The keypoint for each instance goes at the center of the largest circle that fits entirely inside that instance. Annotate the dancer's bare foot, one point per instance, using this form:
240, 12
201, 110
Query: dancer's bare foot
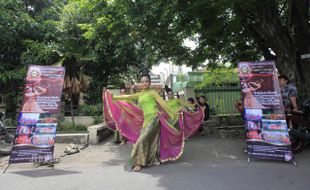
157, 163
123, 143
137, 168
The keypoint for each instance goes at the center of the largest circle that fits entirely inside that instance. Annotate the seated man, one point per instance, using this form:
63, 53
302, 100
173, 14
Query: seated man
205, 107
289, 94
289, 98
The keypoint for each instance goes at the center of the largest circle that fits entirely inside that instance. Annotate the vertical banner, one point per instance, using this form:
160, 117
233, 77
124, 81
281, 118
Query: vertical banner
267, 132
36, 130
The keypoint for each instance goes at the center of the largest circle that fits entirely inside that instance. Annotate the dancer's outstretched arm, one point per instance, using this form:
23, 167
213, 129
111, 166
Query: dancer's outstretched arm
127, 97
163, 104
185, 104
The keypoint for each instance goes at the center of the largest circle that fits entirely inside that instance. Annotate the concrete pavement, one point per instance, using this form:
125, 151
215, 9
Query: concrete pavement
207, 163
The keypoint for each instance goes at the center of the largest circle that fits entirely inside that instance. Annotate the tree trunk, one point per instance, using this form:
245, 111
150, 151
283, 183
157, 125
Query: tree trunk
298, 26
288, 42
72, 111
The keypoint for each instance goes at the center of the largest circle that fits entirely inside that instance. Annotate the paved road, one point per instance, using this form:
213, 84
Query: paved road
207, 163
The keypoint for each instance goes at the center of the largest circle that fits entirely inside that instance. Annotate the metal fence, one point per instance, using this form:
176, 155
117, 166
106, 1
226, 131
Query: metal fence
221, 99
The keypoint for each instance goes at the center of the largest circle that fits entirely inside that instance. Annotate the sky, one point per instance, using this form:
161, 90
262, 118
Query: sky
167, 69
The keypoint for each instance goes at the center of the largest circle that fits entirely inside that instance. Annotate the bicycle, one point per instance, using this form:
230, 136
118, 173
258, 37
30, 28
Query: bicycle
299, 127
6, 140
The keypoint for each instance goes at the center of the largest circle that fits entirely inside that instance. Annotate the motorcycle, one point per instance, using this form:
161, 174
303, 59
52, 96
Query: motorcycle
6, 139
300, 128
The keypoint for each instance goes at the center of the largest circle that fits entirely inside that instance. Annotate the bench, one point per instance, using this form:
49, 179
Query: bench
97, 133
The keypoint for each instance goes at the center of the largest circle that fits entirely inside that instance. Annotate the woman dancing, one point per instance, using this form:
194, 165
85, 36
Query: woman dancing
192, 120
117, 135
249, 100
30, 103
160, 138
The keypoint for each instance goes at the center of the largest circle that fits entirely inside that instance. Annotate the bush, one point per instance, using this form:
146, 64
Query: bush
97, 119
69, 127
90, 110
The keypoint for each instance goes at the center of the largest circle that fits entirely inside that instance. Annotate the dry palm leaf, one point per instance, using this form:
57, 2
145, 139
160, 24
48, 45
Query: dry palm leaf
67, 95
84, 81
76, 86
67, 82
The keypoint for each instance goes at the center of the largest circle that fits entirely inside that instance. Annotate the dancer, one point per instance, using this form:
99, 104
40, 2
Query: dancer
174, 103
177, 104
118, 137
191, 120
206, 109
30, 103
161, 138
249, 100
193, 104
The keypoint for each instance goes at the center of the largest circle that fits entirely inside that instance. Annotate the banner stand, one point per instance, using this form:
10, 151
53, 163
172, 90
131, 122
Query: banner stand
293, 162
40, 163
38, 119
9, 164
265, 121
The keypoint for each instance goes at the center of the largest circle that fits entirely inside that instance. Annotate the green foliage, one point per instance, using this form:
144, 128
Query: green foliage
163, 26
40, 53
90, 110
69, 127
181, 78
219, 77
112, 40
15, 26
97, 119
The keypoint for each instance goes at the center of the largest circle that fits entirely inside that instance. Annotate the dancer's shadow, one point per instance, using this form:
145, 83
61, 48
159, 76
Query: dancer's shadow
121, 154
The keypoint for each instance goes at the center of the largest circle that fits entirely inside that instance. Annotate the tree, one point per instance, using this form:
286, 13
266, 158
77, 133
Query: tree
219, 77
86, 36
227, 31
108, 50
89, 37
283, 27
16, 25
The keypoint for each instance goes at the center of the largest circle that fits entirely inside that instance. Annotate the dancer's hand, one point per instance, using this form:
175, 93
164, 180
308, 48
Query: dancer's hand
109, 92
295, 109
103, 91
136, 87
133, 87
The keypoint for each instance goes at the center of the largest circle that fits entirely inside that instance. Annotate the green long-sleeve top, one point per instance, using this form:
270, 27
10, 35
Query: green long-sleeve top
148, 100
176, 104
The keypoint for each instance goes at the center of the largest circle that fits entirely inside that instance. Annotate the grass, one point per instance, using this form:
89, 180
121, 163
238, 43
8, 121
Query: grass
69, 127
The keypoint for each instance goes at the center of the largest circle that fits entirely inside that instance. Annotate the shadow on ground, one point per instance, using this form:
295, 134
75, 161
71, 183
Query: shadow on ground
221, 164
38, 173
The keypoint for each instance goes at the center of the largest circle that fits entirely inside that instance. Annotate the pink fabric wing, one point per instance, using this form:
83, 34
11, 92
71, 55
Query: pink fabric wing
171, 139
192, 121
126, 117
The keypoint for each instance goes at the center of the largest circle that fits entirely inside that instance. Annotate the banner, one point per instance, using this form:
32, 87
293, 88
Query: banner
267, 131
36, 130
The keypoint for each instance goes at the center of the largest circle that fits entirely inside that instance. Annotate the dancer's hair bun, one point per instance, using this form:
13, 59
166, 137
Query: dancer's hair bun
167, 89
144, 71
